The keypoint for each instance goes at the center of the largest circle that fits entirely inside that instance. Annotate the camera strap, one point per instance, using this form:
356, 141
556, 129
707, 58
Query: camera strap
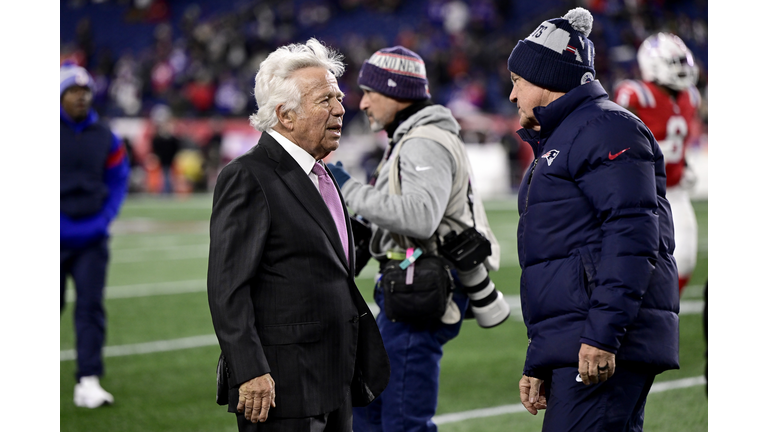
429, 132
471, 201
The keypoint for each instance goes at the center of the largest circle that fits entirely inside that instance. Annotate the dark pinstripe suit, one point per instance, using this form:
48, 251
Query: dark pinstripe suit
282, 296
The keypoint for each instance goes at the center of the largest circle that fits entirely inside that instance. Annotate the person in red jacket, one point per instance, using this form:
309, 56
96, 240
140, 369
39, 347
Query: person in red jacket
667, 101
93, 183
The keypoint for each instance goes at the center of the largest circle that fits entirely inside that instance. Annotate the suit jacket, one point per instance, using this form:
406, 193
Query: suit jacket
282, 295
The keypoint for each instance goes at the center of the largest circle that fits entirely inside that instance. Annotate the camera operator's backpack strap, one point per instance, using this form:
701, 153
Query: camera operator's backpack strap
458, 215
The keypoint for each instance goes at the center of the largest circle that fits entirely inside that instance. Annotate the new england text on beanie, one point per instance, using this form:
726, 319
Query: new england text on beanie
396, 72
557, 55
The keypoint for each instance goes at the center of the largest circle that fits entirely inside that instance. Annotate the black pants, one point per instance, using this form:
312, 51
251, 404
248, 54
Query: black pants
616, 405
339, 420
88, 268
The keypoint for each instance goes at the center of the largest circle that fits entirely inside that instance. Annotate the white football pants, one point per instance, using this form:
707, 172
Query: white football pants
686, 231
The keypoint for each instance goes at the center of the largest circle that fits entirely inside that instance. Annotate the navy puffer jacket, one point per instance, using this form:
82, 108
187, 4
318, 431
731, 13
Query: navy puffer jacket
595, 238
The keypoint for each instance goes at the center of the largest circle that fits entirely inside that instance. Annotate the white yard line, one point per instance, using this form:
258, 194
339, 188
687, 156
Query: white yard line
150, 347
149, 289
168, 253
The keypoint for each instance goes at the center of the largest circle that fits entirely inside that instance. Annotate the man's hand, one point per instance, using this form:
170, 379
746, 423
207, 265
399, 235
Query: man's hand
256, 397
532, 394
339, 173
595, 365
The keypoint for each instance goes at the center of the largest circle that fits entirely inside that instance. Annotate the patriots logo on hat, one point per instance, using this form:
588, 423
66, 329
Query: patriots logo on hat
550, 156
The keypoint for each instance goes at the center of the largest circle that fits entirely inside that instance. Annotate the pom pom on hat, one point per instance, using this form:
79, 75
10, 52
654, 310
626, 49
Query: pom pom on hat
74, 75
557, 55
581, 20
396, 72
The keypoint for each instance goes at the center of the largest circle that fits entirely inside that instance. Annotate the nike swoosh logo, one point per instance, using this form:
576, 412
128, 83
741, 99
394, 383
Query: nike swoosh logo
614, 156
419, 168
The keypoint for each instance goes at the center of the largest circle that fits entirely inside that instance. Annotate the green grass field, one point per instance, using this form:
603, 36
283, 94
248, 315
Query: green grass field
161, 354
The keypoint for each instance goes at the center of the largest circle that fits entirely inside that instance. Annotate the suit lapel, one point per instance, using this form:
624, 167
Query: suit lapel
306, 193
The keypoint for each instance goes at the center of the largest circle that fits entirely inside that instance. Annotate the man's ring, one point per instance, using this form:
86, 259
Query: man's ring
603, 368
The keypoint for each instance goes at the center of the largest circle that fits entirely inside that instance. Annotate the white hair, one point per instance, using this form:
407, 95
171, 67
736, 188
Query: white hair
275, 83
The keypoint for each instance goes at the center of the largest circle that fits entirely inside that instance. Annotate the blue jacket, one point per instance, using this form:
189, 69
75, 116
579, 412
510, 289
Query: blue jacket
595, 238
93, 182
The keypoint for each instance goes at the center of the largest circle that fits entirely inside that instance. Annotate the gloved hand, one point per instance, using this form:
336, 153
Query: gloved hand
339, 173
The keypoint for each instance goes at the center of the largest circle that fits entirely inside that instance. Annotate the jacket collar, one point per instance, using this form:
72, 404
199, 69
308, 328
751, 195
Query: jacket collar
404, 114
78, 127
550, 116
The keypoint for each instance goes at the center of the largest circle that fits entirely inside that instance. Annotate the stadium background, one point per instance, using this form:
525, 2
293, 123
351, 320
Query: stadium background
192, 63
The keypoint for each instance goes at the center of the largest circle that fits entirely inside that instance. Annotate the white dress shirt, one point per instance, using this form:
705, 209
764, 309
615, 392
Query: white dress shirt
305, 160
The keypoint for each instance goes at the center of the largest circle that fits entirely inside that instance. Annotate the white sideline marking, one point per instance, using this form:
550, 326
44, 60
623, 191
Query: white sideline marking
678, 384
169, 253
477, 413
688, 307
150, 347
148, 289
512, 409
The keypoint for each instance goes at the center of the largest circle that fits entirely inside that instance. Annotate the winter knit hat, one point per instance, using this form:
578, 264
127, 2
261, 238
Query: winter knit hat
73, 75
396, 72
557, 55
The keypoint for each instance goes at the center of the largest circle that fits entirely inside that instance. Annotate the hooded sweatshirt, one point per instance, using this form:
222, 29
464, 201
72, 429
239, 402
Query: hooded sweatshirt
431, 183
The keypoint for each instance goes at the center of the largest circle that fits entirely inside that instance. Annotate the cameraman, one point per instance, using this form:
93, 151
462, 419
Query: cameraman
432, 198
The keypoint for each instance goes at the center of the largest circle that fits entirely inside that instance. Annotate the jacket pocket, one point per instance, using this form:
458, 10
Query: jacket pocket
554, 289
589, 269
286, 334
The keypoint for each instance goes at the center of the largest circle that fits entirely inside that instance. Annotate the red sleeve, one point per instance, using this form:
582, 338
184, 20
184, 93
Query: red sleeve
116, 156
626, 96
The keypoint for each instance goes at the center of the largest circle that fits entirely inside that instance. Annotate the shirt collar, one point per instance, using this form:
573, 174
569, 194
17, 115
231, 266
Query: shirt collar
305, 160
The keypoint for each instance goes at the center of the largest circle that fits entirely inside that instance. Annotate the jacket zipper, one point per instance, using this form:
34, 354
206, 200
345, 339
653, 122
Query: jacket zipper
530, 177
525, 210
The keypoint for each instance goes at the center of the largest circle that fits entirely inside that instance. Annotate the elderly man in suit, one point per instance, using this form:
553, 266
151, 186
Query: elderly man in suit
299, 345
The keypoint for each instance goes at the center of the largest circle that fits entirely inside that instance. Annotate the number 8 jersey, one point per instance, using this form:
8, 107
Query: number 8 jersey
669, 119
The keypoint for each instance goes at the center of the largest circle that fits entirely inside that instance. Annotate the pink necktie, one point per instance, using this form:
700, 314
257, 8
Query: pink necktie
332, 200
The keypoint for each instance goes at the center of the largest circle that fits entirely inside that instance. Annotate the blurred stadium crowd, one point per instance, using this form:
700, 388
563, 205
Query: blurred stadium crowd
194, 60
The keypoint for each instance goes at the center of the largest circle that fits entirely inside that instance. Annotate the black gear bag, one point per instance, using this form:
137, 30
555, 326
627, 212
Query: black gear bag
421, 297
